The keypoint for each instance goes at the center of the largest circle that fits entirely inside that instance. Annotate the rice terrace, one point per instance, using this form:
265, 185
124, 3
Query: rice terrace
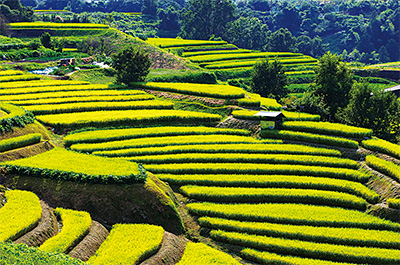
200, 132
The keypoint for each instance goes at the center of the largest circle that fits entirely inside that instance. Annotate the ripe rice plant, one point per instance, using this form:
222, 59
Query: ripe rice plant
248, 102
249, 115
164, 141
268, 103
261, 169
99, 106
124, 117
268, 257
332, 235
273, 195
389, 168
131, 133
75, 225
86, 99
251, 63
205, 90
200, 53
200, 253
20, 214
20, 141
128, 244
51, 25
14, 78
11, 253
336, 129
42, 83
294, 214
223, 157
16, 117
172, 42
243, 56
382, 146
310, 249
247, 148
393, 203
274, 181
309, 137
58, 88
11, 72
61, 164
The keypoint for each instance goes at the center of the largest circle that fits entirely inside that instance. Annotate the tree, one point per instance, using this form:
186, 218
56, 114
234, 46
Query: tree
202, 19
131, 64
269, 80
149, 7
46, 41
333, 82
281, 41
374, 109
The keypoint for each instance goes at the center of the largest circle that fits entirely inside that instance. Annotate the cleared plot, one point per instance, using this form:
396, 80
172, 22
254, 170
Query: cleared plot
41, 83
331, 235
20, 141
389, 168
222, 157
268, 257
171, 42
252, 148
19, 215
131, 133
99, 106
273, 195
165, 141
327, 128
383, 147
253, 55
61, 164
51, 25
206, 90
200, 253
274, 181
128, 244
310, 249
125, 117
75, 225
73, 99
261, 169
309, 137
294, 214
42, 89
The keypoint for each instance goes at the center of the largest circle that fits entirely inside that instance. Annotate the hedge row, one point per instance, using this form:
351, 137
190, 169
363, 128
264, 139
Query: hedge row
99, 106
393, 203
20, 214
128, 244
16, 117
223, 157
75, 225
131, 133
321, 234
61, 164
336, 129
293, 214
20, 141
273, 195
309, 137
249, 148
164, 141
389, 168
124, 117
262, 169
200, 253
338, 253
382, 146
205, 90
274, 181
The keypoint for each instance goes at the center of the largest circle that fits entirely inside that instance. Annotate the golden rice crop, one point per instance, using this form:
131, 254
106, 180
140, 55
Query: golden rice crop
200, 253
382, 146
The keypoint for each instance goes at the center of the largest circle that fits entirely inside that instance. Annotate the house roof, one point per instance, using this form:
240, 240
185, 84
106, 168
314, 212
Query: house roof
270, 114
395, 88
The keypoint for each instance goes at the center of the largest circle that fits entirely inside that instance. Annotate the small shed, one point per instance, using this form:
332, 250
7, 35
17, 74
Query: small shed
273, 116
67, 61
395, 90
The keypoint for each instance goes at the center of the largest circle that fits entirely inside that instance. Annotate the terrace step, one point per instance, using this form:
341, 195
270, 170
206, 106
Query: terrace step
27, 151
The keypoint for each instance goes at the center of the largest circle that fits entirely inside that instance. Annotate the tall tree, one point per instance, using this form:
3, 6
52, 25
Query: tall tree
281, 41
269, 79
149, 7
333, 82
201, 19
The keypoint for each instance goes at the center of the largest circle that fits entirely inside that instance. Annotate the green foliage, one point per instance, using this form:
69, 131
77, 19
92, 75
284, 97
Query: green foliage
61, 164
128, 244
19, 215
200, 253
11, 254
20, 141
393, 203
386, 167
333, 82
273, 195
46, 40
75, 225
269, 80
131, 65
382, 146
16, 117
280, 41
309, 137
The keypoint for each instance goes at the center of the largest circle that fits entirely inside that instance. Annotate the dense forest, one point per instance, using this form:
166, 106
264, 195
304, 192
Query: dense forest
365, 31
